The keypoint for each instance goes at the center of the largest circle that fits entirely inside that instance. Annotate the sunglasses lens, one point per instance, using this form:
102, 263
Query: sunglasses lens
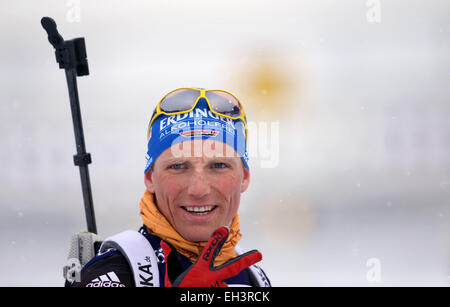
224, 103
179, 100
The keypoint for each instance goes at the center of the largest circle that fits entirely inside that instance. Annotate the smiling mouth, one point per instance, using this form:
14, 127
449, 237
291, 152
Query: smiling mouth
199, 210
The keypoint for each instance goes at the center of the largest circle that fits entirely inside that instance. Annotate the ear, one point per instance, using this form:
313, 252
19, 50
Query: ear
148, 181
245, 180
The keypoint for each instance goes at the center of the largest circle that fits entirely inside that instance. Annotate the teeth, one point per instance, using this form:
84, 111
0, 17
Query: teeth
200, 210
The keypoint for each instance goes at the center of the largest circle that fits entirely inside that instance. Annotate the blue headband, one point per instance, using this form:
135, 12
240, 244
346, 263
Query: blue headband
199, 124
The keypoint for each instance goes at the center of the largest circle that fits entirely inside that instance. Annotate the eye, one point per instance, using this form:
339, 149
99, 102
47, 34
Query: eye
176, 166
219, 165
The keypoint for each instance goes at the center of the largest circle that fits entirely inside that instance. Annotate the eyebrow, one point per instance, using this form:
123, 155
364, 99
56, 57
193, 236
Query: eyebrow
174, 161
211, 160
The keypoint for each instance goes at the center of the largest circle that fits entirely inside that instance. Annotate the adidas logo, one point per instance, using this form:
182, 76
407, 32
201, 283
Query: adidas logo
108, 280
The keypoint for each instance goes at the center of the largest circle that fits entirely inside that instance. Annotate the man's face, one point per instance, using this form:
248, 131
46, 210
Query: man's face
198, 193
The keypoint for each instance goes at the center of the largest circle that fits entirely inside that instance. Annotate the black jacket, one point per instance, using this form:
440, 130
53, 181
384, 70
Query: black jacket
111, 269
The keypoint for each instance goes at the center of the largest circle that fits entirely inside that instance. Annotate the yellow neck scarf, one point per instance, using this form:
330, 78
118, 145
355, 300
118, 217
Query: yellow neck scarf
158, 225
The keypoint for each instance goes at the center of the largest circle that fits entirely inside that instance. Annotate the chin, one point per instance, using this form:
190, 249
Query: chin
198, 235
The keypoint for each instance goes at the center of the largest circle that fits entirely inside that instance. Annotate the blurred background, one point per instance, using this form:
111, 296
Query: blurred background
349, 100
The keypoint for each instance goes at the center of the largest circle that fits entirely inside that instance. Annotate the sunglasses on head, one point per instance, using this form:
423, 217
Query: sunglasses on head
183, 100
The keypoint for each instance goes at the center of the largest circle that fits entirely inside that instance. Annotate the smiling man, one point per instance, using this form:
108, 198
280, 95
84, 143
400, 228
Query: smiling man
197, 195
196, 170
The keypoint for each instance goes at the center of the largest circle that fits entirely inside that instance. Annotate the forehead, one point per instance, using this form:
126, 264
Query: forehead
199, 150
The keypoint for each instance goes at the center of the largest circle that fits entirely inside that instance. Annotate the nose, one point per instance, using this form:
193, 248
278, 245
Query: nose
198, 185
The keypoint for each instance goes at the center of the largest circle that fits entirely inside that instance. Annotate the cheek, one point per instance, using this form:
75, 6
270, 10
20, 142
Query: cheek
230, 188
167, 188
230, 185
170, 183
232, 208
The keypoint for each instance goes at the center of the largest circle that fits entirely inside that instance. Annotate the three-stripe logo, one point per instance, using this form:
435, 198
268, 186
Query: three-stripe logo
107, 280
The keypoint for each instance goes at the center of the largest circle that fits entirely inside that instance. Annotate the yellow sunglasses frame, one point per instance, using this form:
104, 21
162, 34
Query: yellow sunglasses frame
202, 95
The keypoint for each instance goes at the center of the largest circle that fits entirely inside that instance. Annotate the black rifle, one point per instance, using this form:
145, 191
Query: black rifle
71, 56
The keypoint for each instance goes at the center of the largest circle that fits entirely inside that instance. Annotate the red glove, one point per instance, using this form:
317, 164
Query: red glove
203, 273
